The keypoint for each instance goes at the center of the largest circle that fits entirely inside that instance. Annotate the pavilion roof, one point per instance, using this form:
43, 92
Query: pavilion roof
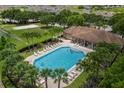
93, 35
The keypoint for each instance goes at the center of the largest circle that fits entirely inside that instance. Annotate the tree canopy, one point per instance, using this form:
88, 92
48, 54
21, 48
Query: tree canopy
48, 19
75, 20
15, 71
119, 27
98, 62
114, 76
115, 18
21, 17
93, 18
61, 17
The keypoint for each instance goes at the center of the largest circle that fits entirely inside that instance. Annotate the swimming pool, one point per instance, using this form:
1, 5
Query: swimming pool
63, 57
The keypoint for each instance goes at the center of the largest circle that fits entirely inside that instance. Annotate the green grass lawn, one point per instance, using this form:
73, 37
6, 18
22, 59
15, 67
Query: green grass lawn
79, 81
46, 33
7, 26
121, 10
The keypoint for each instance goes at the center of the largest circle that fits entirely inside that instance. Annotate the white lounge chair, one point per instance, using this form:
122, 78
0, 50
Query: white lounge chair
57, 44
44, 50
35, 54
50, 46
71, 75
38, 52
73, 72
69, 78
47, 48
54, 45
42, 81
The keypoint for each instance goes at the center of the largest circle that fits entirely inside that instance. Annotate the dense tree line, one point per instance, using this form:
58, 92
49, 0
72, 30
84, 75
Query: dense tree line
21, 17
115, 18
117, 23
64, 18
67, 18
114, 76
94, 19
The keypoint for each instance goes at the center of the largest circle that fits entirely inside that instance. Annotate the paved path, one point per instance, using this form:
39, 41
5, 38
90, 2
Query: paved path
25, 27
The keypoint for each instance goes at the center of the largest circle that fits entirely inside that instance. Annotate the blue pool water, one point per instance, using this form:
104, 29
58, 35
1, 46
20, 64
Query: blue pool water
63, 57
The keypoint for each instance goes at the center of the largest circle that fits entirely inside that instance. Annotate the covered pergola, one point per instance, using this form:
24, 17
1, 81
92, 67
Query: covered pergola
89, 37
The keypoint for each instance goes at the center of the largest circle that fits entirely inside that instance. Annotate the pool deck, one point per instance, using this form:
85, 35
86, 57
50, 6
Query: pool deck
51, 83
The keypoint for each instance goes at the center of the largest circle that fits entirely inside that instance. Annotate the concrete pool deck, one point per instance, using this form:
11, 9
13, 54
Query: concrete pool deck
64, 42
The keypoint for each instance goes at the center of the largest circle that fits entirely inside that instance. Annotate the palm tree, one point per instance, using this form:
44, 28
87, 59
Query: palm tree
97, 61
83, 64
35, 35
45, 73
27, 36
19, 74
10, 45
58, 75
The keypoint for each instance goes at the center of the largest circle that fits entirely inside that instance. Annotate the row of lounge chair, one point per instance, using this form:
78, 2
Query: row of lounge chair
72, 75
47, 49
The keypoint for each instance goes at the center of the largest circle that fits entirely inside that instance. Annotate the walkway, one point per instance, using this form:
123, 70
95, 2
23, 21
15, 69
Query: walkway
25, 27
